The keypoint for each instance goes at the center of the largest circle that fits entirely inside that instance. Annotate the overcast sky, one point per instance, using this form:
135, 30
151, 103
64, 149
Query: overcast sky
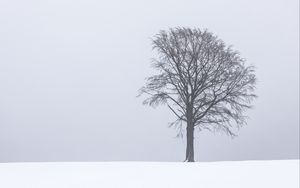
70, 71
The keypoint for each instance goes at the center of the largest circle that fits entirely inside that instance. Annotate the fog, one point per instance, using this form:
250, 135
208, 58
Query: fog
70, 73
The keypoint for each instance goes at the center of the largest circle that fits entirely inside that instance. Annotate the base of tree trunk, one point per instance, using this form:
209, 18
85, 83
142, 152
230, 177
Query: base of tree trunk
188, 161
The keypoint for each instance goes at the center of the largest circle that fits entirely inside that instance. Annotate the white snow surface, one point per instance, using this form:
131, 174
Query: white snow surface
238, 174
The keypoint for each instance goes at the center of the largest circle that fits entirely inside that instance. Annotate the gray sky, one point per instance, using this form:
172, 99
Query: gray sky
70, 72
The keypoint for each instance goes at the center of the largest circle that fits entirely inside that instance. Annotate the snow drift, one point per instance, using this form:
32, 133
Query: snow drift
240, 174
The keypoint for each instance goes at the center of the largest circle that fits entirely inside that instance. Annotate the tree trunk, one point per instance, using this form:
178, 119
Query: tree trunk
189, 157
190, 144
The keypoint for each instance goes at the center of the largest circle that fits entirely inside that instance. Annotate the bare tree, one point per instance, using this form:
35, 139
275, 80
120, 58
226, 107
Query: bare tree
203, 82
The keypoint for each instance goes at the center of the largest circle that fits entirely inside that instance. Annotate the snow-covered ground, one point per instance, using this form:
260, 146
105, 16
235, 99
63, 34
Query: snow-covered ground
240, 174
